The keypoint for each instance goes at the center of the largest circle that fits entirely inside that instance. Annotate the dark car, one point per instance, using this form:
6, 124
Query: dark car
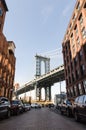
66, 107
16, 107
4, 107
79, 108
50, 105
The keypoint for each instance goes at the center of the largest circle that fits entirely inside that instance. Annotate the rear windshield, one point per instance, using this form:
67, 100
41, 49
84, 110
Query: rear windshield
15, 102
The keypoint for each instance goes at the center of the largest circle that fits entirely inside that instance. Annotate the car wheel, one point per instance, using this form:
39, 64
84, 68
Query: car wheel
76, 116
8, 114
17, 112
61, 112
68, 112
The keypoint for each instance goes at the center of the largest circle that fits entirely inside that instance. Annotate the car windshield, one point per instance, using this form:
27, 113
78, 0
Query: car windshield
68, 102
15, 102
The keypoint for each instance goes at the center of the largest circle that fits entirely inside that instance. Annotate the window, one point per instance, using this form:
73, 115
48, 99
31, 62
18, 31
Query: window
78, 6
84, 33
68, 92
81, 20
69, 80
80, 55
85, 99
71, 89
76, 31
76, 100
78, 41
71, 35
81, 98
1, 12
80, 88
70, 26
73, 48
77, 74
75, 61
84, 83
82, 68
74, 91
72, 39
84, 48
5, 101
74, 17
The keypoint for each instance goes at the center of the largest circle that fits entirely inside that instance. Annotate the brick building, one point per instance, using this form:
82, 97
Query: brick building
74, 51
7, 58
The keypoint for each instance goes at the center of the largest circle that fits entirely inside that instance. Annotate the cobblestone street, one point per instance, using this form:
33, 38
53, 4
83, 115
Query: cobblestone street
41, 119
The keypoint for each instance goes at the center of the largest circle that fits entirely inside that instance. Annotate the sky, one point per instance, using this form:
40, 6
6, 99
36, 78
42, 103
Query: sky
36, 27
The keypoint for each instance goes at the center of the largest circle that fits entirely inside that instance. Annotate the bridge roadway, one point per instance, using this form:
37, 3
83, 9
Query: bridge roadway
46, 80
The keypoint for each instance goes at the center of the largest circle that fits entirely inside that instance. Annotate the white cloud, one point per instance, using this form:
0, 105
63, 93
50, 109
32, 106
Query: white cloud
46, 12
66, 10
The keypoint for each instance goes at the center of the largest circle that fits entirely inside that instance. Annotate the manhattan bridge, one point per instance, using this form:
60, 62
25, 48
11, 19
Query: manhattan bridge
45, 80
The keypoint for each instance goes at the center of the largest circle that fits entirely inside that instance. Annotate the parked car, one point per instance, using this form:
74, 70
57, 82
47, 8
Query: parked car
35, 105
26, 106
66, 107
79, 108
50, 105
16, 107
4, 107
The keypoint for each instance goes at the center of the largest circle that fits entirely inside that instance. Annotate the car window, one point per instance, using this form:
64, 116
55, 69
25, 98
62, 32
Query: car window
85, 99
81, 98
4, 100
15, 102
76, 100
64, 101
68, 102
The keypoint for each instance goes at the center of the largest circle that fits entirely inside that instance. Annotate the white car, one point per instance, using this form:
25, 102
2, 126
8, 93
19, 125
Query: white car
27, 107
35, 105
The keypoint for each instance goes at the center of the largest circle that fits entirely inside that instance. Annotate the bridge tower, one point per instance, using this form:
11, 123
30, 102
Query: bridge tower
46, 61
39, 60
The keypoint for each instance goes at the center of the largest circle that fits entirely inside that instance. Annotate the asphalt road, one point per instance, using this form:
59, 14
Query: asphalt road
41, 119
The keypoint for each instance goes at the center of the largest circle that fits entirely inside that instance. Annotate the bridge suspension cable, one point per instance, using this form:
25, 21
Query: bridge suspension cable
53, 53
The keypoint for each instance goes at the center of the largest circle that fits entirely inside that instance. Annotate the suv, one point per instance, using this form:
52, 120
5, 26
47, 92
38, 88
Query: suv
4, 107
16, 107
66, 107
79, 108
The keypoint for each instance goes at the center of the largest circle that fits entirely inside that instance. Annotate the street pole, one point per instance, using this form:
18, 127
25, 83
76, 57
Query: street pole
60, 92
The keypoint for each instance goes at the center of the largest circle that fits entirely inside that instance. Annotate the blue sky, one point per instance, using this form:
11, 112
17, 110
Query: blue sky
36, 26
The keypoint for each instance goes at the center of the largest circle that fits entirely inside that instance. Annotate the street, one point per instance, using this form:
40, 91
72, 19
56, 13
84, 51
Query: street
40, 119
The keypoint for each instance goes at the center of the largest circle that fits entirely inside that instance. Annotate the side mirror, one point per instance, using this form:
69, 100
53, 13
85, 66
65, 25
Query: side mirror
1, 102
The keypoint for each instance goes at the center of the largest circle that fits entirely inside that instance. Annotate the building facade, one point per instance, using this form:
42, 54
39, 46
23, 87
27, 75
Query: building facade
7, 58
74, 52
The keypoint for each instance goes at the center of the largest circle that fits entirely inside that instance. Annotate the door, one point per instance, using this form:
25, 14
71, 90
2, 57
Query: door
84, 107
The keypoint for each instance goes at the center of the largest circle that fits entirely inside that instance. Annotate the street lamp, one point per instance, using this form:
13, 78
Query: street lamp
60, 91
